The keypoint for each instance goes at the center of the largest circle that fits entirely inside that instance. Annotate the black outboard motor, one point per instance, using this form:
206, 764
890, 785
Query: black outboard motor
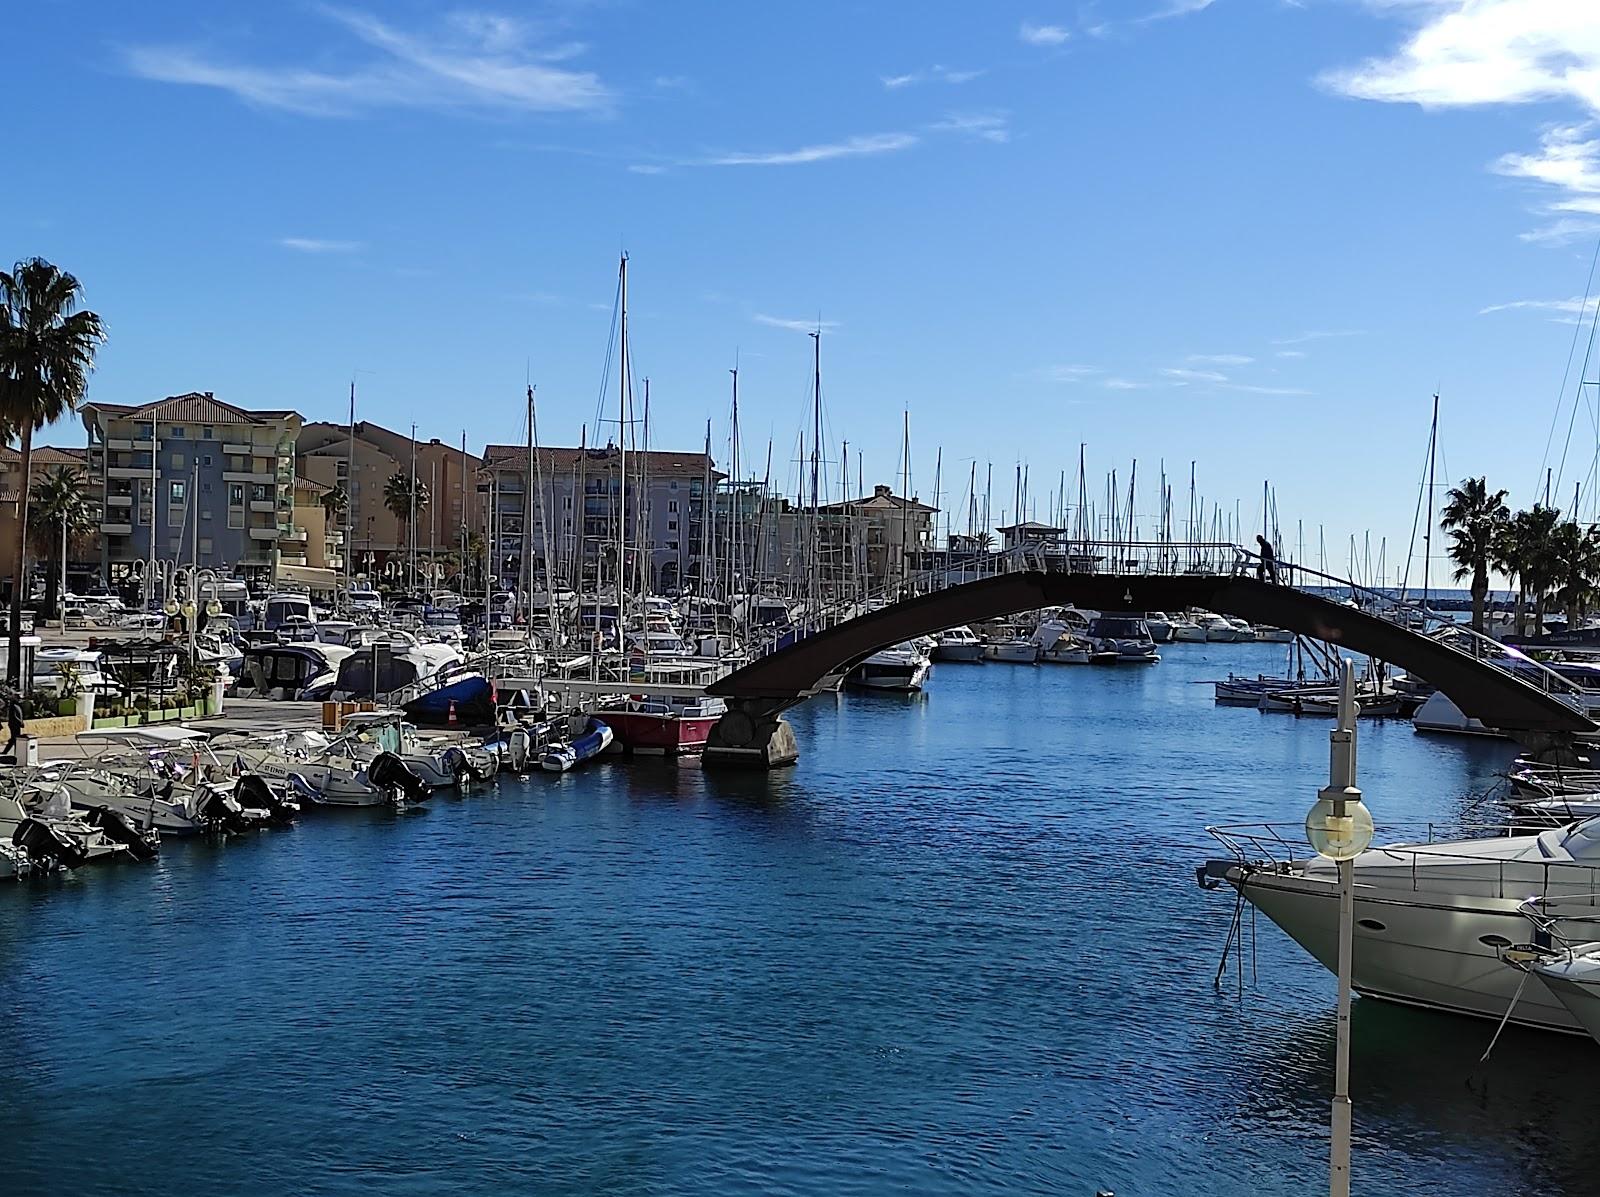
222, 812
391, 773
119, 828
255, 793
45, 844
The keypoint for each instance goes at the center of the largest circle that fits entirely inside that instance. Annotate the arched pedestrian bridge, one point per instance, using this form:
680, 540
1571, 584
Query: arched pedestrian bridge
1470, 669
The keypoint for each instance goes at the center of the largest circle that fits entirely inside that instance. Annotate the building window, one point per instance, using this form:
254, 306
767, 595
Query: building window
207, 432
206, 461
672, 544
177, 432
236, 494
672, 505
205, 515
175, 495
205, 547
672, 525
235, 517
205, 488
673, 485
177, 461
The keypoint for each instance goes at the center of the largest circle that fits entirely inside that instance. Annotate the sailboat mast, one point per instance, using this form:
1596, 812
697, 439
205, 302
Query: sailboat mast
1427, 533
735, 540
349, 495
622, 447
525, 570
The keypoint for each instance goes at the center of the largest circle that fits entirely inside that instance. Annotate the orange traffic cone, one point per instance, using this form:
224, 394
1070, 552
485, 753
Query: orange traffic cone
452, 712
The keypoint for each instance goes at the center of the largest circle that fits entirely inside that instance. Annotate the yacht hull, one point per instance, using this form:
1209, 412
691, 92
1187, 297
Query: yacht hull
958, 652
1432, 950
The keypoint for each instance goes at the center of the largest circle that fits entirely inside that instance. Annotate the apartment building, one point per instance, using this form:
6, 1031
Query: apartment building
378, 536
577, 501
191, 475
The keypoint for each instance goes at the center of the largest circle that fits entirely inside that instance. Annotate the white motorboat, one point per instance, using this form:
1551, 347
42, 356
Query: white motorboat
1160, 626
1126, 636
958, 644
1243, 633
1271, 635
1007, 643
1441, 716
1573, 979
1216, 628
1432, 919
1059, 644
1187, 631
900, 667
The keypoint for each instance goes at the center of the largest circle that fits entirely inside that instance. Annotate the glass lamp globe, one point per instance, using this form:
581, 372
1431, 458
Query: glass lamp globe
1339, 837
213, 608
170, 607
187, 609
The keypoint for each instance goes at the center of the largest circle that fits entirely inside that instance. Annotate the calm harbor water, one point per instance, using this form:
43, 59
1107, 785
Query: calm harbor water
958, 949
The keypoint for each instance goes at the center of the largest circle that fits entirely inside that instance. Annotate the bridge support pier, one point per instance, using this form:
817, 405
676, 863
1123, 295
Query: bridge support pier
751, 734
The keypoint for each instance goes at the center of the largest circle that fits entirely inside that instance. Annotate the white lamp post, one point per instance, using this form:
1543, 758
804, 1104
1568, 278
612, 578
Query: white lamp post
1339, 828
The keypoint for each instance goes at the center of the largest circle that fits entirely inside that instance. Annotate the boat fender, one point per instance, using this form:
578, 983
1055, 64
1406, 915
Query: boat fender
391, 773
118, 828
45, 844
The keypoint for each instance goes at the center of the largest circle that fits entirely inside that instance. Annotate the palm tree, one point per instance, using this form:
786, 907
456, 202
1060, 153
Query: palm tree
1576, 567
1475, 520
403, 498
47, 349
57, 508
335, 503
1529, 552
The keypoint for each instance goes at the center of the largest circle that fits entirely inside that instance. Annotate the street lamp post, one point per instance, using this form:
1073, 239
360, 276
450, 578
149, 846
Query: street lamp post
1339, 828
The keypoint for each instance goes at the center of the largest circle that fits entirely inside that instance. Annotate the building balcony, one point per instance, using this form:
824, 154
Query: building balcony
287, 558
116, 529
128, 471
268, 506
335, 537
293, 534
119, 500
235, 449
264, 478
122, 445
265, 532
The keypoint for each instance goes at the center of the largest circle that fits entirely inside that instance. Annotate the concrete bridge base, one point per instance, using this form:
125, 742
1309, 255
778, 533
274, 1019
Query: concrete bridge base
752, 734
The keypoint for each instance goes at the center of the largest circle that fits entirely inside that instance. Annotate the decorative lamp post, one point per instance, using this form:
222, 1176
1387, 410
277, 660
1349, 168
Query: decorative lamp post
1339, 828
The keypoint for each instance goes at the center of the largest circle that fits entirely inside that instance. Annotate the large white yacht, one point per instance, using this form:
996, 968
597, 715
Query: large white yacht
1433, 920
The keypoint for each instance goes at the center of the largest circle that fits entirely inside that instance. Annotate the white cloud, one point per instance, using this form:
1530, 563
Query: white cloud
1576, 306
850, 147
986, 126
1179, 8
1219, 359
1255, 390
1125, 384
1068, 373
934, 74
477, 61
1320, 335
319, 245
805, 326
1188, 376
1042, 35
1468, 53
1291, 353
647, 168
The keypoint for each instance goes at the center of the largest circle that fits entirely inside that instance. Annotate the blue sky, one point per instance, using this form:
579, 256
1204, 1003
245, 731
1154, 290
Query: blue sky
1258, 234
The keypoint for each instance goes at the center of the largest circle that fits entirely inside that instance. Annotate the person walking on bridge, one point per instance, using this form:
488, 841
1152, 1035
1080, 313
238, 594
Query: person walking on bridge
1267, 564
